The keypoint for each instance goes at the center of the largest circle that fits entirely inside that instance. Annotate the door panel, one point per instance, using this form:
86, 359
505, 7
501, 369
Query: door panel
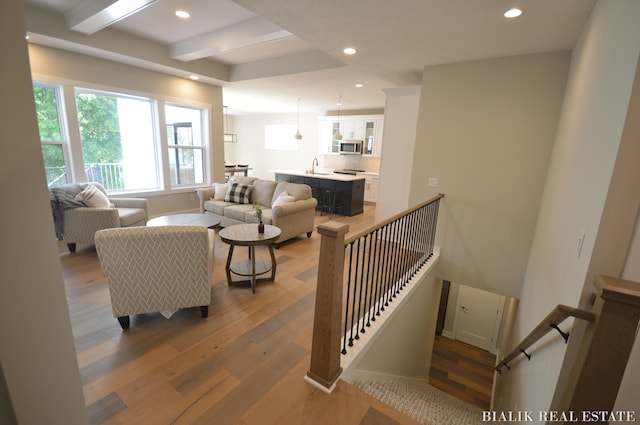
478, 317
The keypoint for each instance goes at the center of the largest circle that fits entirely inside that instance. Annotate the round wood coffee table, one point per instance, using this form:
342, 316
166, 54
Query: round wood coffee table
247, 235
207, 220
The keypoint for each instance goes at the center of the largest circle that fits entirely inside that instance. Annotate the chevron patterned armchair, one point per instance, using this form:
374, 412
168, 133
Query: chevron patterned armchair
156, 269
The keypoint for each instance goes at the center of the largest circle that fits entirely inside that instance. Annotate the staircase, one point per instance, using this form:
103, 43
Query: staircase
421, 401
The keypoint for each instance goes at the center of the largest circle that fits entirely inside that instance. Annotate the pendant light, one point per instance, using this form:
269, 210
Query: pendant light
337, 135
228, 137
298, 135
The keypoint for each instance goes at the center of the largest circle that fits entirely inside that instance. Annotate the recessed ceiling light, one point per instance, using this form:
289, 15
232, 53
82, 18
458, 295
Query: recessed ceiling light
349, 51
183, 14
512, 13
194, 77
359, 85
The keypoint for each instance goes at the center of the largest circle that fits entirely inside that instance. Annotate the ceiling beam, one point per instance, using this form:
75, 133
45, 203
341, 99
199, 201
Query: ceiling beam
49, 28
312, 60
93, 15
245, 34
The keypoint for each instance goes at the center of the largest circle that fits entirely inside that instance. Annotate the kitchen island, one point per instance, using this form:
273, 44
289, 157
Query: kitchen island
347, 189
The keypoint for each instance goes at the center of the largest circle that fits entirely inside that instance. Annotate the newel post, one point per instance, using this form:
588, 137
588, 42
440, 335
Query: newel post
325, 367
608, 353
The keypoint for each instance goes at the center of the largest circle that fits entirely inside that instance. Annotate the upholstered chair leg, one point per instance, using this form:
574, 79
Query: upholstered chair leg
72, 247
204, 311
124, 322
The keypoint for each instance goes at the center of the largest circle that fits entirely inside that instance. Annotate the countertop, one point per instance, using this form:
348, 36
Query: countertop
322, 175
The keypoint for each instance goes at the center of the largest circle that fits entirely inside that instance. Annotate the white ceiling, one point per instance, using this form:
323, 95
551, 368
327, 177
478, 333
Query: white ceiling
269, 53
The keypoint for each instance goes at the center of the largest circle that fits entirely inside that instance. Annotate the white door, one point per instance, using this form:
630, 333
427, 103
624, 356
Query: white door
478, 317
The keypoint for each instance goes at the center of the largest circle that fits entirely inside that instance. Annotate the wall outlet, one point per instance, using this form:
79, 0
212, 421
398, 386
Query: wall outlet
192, 197
433, 181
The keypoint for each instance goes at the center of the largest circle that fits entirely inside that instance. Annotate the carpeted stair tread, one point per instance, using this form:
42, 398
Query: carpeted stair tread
422, 402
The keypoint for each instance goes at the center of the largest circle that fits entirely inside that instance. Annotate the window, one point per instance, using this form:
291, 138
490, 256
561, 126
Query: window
185, 144
118, 141
47, 100
280, 137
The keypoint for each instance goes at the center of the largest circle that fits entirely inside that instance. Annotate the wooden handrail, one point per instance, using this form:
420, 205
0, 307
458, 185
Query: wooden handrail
553, 319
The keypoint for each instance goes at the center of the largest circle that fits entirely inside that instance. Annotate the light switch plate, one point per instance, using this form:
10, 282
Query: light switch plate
433, 182
580, 243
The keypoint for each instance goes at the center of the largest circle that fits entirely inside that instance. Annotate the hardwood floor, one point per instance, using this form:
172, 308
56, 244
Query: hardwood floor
462, 370
242, 365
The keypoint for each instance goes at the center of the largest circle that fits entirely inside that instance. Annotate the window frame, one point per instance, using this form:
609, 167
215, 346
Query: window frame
153, 134
62, 128
201, 148
74, 161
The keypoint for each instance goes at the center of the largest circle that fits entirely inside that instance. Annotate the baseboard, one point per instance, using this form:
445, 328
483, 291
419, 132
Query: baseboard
448, 334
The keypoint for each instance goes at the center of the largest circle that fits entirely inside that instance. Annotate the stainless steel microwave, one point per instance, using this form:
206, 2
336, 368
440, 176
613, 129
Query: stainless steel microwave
350, 147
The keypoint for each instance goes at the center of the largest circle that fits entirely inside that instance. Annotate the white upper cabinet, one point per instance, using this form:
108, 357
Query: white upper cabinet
367, 128
372, 140
326, 142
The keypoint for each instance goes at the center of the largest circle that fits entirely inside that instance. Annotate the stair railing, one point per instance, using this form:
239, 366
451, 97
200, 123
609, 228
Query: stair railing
604, 348
551, 321
601, 352
380, 261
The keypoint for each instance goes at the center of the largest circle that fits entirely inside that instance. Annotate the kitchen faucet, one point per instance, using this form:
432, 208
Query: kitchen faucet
314, 162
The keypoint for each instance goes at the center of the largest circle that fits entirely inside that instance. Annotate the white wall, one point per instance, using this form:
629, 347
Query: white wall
399, 134
37, 354
250, 147
486, 130
410, 333
589, 133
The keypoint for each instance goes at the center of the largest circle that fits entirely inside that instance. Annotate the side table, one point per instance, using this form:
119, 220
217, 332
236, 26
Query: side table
247, 235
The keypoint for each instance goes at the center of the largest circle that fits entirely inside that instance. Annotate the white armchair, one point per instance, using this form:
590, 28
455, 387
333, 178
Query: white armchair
80, 223
156, 269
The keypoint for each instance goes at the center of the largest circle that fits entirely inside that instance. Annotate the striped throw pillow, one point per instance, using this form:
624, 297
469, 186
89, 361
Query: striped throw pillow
93, 197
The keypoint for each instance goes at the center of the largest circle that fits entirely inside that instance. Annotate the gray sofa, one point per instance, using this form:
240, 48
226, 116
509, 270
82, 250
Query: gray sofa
292, 212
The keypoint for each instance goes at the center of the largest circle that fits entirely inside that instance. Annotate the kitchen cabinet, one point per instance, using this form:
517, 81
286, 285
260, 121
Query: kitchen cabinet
370, 186
326, 142
367, 128
372, 140
371, 190
349, 189
351, 129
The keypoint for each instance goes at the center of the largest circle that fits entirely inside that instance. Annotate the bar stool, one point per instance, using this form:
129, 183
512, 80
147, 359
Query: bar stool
333, 200
316, 192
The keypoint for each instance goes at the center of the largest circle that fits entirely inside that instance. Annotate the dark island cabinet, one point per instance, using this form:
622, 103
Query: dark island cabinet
349, 194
